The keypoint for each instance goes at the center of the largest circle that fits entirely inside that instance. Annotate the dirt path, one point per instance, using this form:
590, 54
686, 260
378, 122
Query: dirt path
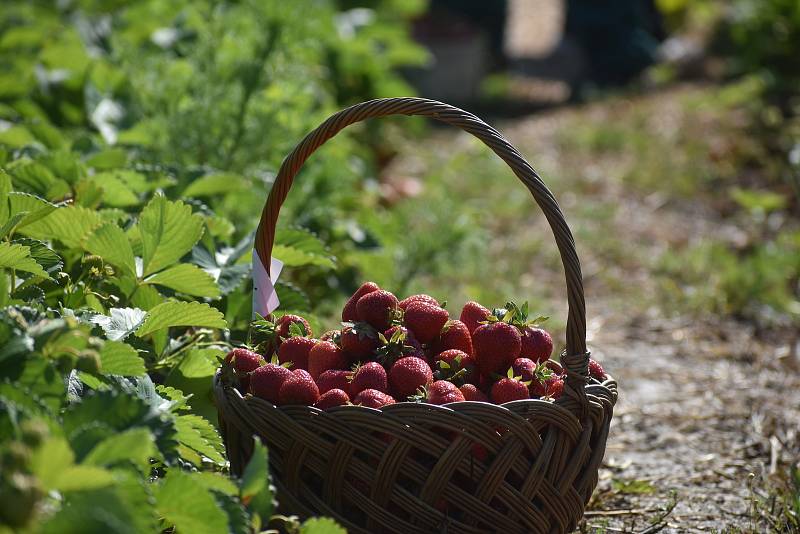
708, 416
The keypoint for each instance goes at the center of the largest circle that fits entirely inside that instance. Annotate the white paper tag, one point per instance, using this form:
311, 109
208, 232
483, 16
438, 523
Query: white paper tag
265, 299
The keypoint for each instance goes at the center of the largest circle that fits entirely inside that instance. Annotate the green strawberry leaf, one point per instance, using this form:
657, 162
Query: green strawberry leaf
69, 224
18, 257
11, 223
120, 323
168, 231
215, 184
136, 445
53, 463
186, 278
115, 192
198, 434
177, 313
255, 487
44, 255
110, 243
33, 207
117, 358
187, 505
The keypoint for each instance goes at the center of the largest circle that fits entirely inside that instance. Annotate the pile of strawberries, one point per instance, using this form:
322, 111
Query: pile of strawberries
391, 350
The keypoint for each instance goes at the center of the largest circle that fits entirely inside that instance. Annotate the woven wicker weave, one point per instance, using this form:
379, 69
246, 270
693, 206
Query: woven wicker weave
525, 466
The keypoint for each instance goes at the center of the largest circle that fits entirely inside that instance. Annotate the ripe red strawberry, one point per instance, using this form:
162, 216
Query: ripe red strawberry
298, 389
456, 366
334, 379
266, 381
244, 362
371, 375
472, 314
417, 298
295, 350
496, 346
442, 392
596, 370
536, 344
425, 320
331, 398
323, 356
349, 312
376, 308
359, 341
455, 335
472, 393
551, 387
409, 374
509, 389
524, 368
372, 398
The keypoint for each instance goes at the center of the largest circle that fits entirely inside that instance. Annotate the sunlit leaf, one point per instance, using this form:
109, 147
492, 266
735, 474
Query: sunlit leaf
186, 278
110, 243
177, 313
188, 505
15, 256
117, 358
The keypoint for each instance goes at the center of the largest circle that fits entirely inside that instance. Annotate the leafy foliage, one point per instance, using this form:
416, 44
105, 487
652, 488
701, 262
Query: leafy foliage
137, 143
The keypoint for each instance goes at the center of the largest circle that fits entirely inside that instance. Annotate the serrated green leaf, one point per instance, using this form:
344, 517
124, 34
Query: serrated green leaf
168, 231
175, 396
182, 502
35, 208
16, 256
124, 508
177, 313
108, 158
297, 247
32, 176
215, 184
192, 375
239, 520
186, 278
117, 358
70, 225
102, 414
216, 482
44, 255
293, 257
11, 223
321, 525
110, 243
53, 463
136, 445
199, 435
121, 323
255, 485
116, 193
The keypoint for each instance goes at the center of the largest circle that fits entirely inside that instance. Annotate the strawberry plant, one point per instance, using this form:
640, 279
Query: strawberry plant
137, 143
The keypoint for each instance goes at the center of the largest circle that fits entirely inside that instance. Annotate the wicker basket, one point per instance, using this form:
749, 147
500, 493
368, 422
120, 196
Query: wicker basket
525, 466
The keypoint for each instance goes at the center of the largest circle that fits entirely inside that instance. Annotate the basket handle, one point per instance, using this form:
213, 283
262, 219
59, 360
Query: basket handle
576, 356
